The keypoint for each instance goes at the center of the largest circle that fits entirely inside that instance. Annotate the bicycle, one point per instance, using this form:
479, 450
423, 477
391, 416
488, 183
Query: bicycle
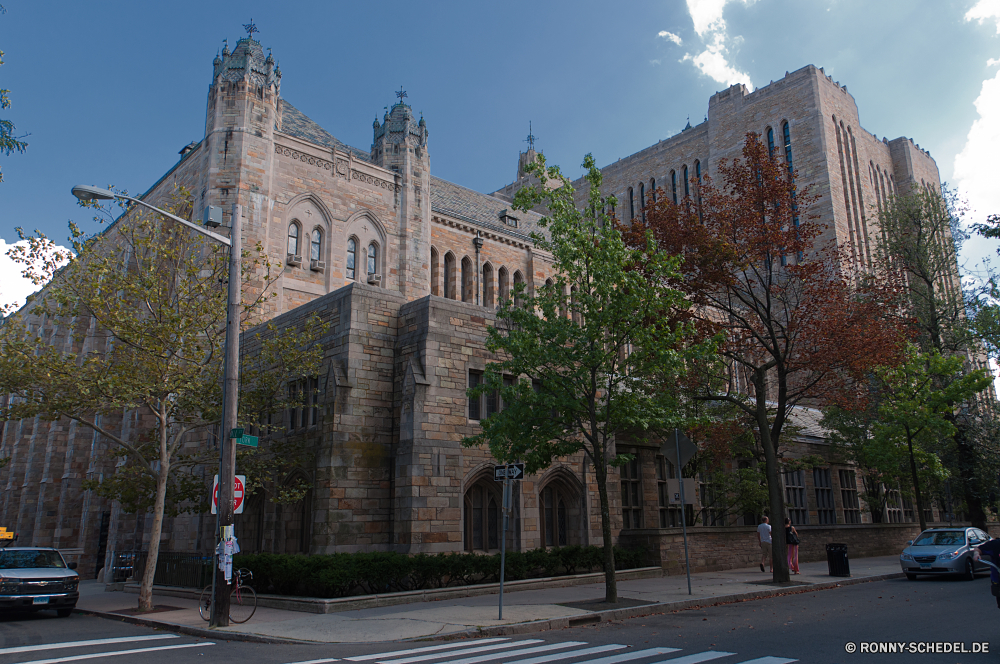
242, 599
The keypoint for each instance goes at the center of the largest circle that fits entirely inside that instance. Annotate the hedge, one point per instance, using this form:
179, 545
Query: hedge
344, 574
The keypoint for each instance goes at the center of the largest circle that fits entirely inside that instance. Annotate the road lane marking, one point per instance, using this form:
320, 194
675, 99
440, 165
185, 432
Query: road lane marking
467, 651
698, 657
83, 644
317, 661
112, 653
628, 656
411, 651
512, 653
770, 660
567, 655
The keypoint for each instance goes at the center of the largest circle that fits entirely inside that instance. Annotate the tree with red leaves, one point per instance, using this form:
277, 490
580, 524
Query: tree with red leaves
796, 327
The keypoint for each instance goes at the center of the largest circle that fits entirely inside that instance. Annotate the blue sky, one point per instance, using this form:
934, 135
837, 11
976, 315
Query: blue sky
108, 92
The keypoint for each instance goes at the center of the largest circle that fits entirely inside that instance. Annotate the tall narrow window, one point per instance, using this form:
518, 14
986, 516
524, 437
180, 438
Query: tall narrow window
468, 280
652, 189
825, 511
795, 497
673, 185
293, 239
670, 515
435, 272
631, 204
849, 496
518, 280
316, 248
770, 142
504, 285
352, 257
687, 185
372, 258
450, 287
488, 297
786, 135
475, 403
554, 517
642, 200
631, 492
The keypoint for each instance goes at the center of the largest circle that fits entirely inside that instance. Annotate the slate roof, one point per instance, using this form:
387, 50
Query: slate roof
296, 123
806, 422
480, 209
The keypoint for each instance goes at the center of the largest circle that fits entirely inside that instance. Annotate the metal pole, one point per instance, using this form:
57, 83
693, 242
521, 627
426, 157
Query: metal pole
680, 481
227, 447
503, 540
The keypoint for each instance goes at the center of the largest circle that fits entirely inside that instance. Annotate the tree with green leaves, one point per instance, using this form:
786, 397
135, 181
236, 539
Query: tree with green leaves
915, 412
9, 143
594, 355
133, 329
919, 235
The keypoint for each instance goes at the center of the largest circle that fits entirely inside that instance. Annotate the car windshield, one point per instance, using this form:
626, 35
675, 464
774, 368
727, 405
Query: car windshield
941, 538
30, 559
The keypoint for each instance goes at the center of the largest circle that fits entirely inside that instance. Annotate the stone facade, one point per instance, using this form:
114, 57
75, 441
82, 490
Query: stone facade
407, 269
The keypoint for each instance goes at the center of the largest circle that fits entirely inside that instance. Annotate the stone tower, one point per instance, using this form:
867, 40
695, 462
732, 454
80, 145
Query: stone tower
400, 145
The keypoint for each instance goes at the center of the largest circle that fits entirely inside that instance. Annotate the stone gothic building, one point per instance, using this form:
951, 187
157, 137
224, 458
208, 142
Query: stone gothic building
407, 268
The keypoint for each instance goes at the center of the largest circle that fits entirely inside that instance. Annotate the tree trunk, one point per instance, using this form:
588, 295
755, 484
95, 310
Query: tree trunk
610, 583
146, 587
916, 482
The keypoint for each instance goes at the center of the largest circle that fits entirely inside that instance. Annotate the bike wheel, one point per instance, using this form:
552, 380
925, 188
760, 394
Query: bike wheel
205, 603
242, 604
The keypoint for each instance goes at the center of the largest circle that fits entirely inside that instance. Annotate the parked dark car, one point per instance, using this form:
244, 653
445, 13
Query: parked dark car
35, 579
943, 551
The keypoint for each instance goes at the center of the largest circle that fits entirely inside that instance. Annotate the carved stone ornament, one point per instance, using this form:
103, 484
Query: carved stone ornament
374, 181
301, 156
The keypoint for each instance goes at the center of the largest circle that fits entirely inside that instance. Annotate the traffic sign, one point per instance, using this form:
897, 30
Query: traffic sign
238, 491
249, 441
512, 471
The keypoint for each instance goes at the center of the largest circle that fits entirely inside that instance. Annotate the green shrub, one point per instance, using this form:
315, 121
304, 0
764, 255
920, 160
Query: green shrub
345, 574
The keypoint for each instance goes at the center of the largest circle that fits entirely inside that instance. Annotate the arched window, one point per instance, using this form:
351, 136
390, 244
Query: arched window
574, 312
293, 239
468, 280
684, 174
316, 247
697, 171
450, 290
435, 272
770, 142
482, 518
352, 257
488, 293
642, 200
631, 204
504, 285
652, 189
673, 185
372, 258
518, 280
554, 517
786, 135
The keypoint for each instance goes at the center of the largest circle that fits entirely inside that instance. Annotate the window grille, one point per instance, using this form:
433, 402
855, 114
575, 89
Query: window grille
849, 496
631, 492
826, 512
795, 497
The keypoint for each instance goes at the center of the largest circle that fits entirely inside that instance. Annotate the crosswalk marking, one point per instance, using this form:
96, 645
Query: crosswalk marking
635, 654
411, 651
317, 661
83, 644
770, 660
698, 657
518, 653
111, 653
566, 655
467, 651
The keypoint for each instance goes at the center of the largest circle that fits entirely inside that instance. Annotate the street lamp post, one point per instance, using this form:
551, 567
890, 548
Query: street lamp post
227, 447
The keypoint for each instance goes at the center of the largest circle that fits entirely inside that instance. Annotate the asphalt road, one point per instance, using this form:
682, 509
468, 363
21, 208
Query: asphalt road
810, 627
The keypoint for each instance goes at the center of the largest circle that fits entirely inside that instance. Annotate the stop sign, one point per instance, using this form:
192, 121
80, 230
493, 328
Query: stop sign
238, 491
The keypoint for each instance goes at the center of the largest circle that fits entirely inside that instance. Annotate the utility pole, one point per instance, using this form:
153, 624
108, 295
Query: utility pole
227, 446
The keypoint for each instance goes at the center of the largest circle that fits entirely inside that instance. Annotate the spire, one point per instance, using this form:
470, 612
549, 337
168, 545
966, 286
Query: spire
530, 140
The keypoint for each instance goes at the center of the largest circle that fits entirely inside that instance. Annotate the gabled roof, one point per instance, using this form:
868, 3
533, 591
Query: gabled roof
296, 123
482, 210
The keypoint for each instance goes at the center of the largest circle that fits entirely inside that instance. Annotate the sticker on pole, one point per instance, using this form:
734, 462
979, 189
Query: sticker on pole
238, 491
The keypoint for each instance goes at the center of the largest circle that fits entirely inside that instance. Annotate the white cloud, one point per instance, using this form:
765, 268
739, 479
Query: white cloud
669, 36
655, 62
710, 26
975, 165
14, 288
984, 10
992, 62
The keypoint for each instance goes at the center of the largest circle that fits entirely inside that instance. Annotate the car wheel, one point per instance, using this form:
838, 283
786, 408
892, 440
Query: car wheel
911, 577
64, 613
970, 571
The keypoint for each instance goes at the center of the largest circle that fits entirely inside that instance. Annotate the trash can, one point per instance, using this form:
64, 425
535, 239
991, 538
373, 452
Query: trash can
836, 560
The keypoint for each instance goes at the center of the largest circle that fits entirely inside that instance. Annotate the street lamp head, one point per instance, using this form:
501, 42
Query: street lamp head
89, 193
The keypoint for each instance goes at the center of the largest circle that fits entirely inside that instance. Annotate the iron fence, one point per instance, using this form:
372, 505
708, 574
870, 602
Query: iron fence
189, 570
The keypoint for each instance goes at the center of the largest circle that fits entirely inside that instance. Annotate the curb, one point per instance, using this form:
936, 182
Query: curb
652, 609
195, 631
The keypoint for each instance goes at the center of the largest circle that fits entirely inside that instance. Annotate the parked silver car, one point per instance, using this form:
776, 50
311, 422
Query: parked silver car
944, 551
34, 579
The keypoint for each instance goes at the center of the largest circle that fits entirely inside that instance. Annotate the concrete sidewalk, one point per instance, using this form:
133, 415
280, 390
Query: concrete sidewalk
524, 611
